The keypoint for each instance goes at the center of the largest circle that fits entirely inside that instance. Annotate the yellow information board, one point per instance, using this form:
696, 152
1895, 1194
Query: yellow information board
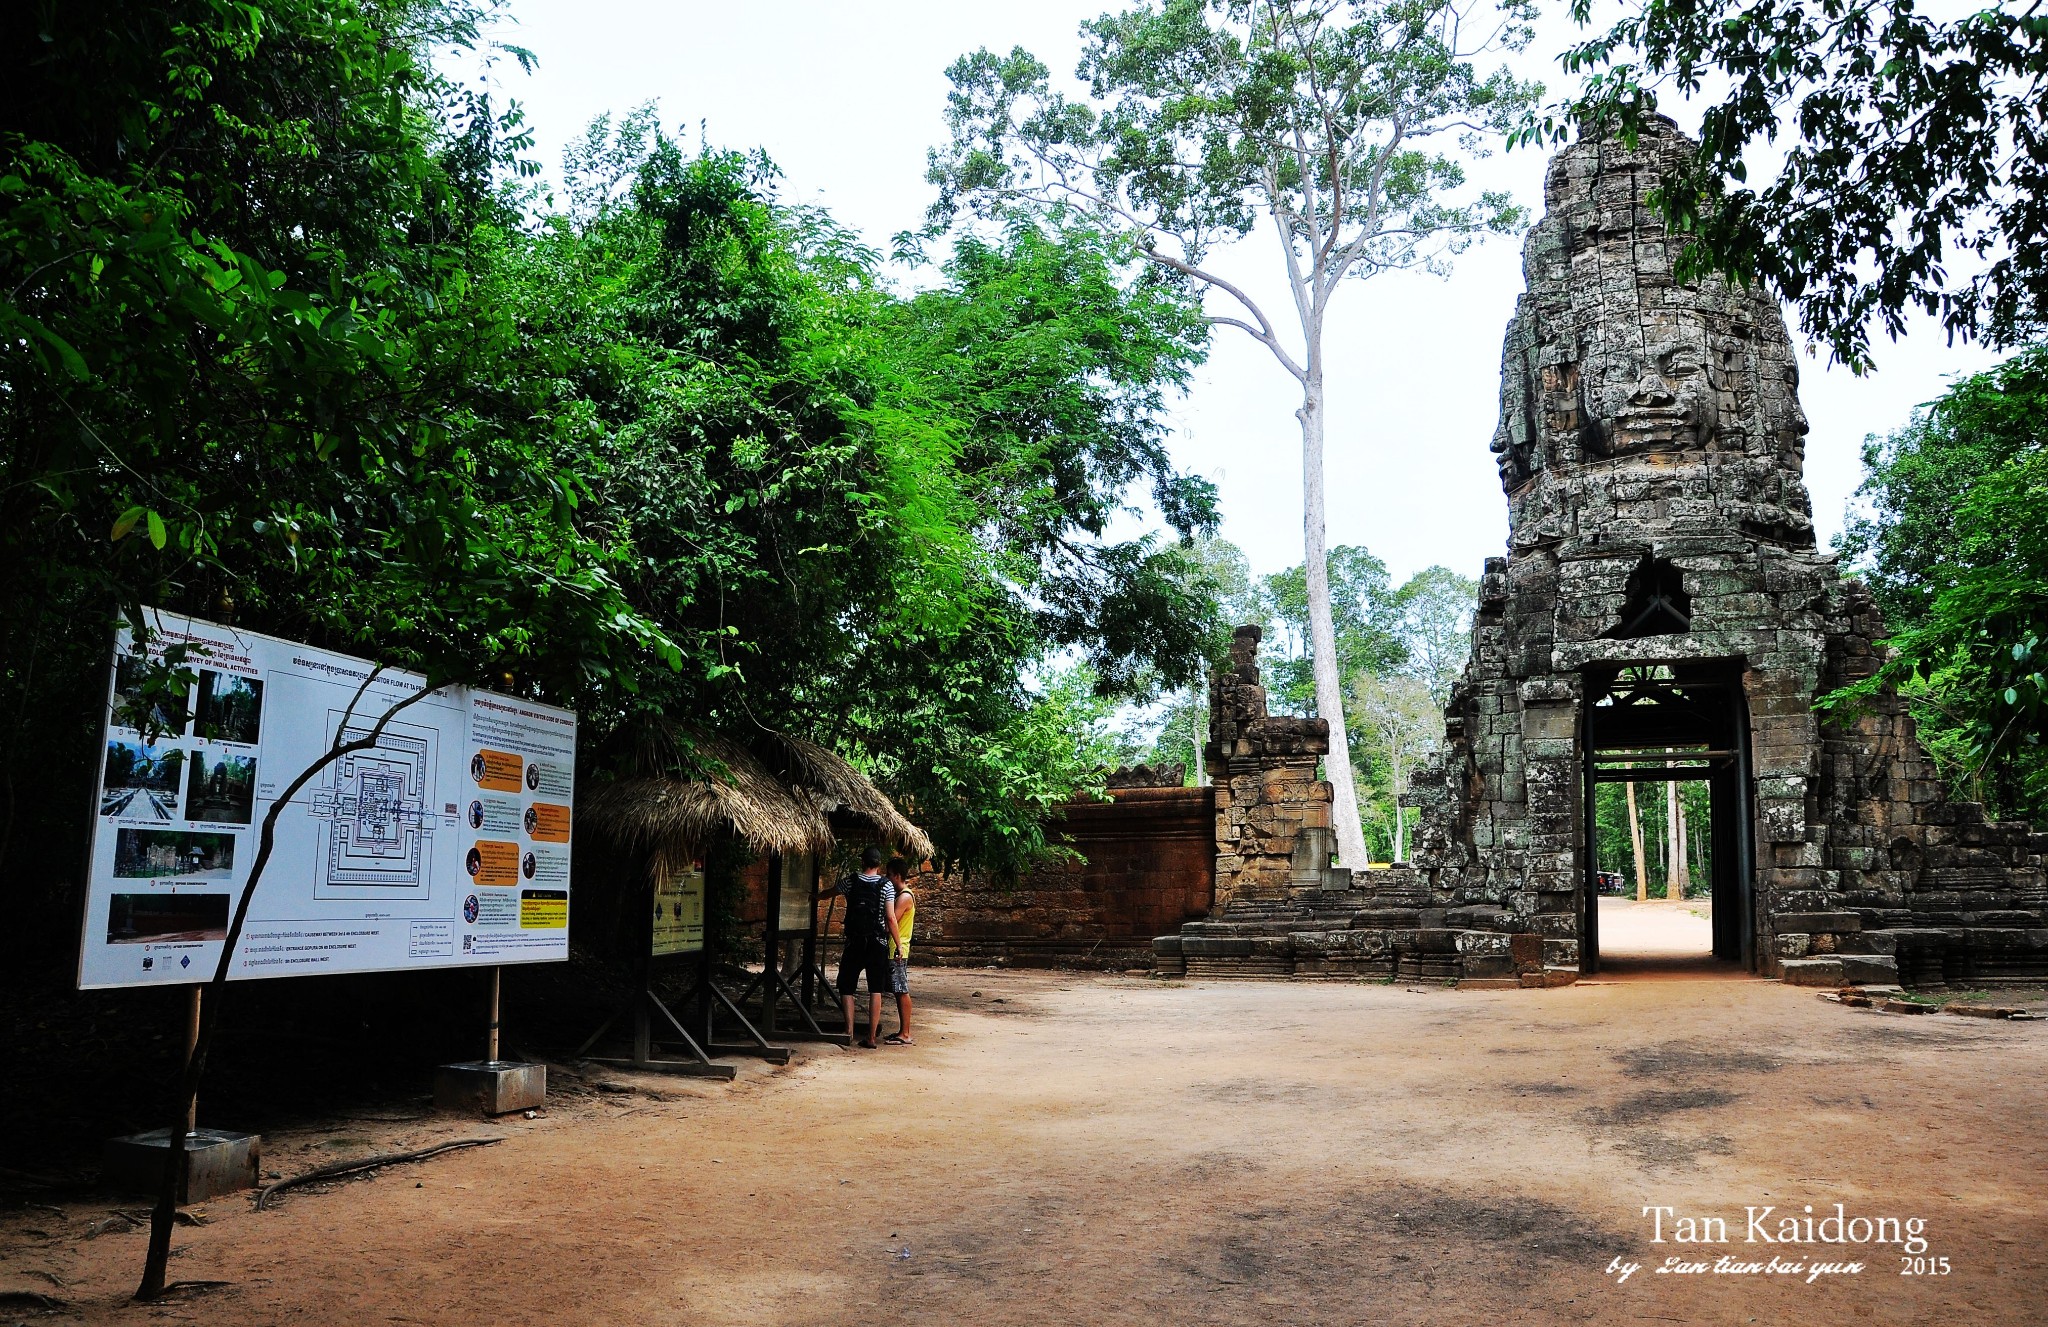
679, 912
543, 909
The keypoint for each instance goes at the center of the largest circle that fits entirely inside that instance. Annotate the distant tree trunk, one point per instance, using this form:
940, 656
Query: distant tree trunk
1635, 834
1700, 865
1671, 864
1400, 815
1195, 722
1684, 852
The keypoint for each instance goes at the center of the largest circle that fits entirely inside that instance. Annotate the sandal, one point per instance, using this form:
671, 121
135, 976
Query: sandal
898, 1039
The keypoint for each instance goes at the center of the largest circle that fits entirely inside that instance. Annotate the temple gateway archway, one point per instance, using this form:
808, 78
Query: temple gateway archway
1662, 610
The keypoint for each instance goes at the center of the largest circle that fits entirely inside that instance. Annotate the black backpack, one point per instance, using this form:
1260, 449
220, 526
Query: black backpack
867, 923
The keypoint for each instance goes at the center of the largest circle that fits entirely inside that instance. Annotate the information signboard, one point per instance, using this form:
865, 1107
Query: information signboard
446, 844
679, 912
795, 902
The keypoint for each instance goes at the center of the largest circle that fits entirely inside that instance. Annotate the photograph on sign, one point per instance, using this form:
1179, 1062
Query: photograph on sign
143, 854
409, 853
222, 787
230, 708
140, 782
165, 710
135, 918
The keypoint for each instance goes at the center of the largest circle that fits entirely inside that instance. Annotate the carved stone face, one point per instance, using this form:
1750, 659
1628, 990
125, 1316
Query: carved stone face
1609, 356
1668, 407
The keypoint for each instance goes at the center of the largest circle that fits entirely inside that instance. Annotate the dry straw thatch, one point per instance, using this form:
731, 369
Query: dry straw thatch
799, 799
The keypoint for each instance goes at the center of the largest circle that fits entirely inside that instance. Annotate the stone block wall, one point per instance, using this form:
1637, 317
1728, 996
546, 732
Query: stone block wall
1150, 867
1273, 832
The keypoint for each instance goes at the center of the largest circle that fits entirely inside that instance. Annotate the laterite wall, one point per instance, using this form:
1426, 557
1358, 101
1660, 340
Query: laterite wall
1151, 865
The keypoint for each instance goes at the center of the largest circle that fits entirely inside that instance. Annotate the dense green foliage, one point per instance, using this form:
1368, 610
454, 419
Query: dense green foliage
1420, 628
1203, 117
287, 340
1954, 544
1915, 173
864, 517
247, 364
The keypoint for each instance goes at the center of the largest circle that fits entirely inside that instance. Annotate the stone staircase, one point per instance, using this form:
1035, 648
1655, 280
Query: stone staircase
1369, 925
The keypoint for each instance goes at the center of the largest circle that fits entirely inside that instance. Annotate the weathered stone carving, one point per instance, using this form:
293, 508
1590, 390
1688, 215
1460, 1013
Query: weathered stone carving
1272, 812
1166, 774
1662, 586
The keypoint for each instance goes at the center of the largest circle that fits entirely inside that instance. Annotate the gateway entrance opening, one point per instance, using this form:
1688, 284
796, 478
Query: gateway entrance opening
1653, 726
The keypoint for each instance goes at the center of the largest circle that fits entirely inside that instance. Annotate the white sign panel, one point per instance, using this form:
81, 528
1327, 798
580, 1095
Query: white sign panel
445, 844
796, 902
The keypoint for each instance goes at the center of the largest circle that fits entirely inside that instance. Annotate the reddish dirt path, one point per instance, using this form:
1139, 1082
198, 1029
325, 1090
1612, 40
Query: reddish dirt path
1065, 1149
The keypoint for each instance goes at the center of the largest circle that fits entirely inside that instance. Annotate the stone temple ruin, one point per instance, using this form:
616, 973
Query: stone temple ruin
1662, 593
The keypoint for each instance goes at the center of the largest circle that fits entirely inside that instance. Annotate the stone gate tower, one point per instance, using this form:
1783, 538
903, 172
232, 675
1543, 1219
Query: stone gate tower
1663, 593
1662, 611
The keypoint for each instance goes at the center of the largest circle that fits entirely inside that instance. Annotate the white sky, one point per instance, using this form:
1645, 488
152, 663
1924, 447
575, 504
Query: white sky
847, 98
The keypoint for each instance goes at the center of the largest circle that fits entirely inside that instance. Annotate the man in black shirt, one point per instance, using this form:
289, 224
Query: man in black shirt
869, 936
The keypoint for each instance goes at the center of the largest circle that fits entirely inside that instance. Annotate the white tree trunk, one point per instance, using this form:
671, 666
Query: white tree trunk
1684, 848
1394, 767
1635, 834
1674, 870
1322, 635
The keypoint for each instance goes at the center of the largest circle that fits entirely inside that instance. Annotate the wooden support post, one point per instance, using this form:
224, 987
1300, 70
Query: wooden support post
770, 948
491, 1040
192, 1048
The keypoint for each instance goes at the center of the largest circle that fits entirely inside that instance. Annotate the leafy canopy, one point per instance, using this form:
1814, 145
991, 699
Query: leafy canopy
1201, 118
1954, 541
863, 516
285, 338
1915, 172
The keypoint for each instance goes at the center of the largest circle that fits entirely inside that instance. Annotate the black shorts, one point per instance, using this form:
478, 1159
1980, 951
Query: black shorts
871, 958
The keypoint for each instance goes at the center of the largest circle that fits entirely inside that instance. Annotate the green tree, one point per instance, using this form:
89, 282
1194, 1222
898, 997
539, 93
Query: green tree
1223, 576
1435, 608
1365, 618
247, 371
1954, 543
1204, 119
1614, 851
1397, 722
247, 368
1917, 152
866, 517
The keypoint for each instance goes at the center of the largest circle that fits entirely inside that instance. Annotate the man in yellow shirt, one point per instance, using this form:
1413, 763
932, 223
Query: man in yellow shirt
902, 915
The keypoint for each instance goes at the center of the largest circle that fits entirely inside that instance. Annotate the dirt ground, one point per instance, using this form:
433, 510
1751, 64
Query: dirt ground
1064, 1149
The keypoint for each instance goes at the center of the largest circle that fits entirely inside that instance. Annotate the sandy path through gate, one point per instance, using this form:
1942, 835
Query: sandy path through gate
1065, 1149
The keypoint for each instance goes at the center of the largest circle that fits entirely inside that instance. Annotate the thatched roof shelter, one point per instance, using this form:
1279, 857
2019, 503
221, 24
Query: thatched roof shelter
781, 795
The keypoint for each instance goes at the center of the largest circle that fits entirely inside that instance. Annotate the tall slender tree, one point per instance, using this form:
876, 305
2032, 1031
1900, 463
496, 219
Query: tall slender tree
1635, 835
1674, 843
1202, 120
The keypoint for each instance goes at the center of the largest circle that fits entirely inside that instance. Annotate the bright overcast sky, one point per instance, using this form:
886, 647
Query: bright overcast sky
847, 98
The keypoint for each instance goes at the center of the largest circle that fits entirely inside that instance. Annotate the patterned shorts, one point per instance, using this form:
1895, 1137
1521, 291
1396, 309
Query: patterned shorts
899, 976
